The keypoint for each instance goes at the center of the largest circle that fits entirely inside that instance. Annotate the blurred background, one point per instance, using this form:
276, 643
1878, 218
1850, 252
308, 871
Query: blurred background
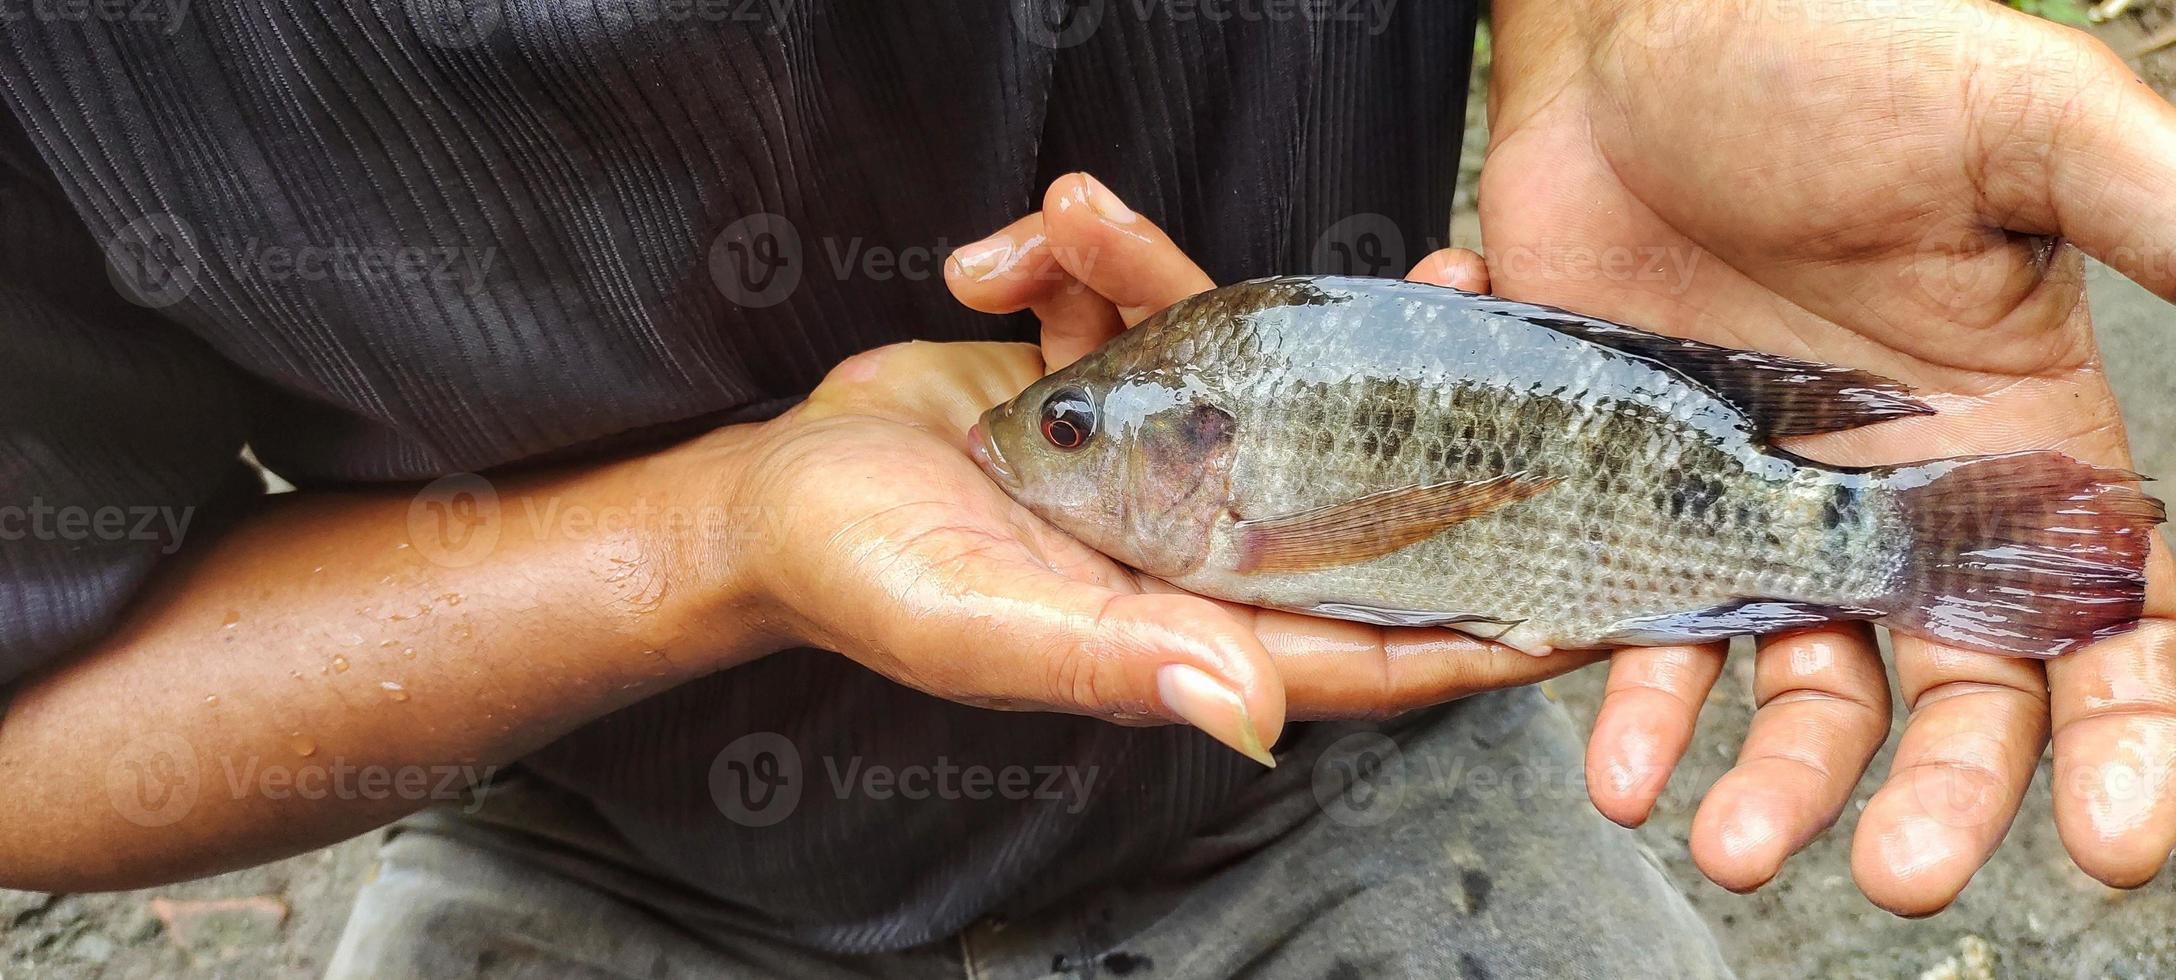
2029, 913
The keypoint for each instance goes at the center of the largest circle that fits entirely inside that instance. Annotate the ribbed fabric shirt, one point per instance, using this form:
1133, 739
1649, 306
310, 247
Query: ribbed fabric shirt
380, 243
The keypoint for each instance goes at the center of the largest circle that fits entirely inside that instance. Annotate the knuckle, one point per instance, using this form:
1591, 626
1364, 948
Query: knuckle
866, 369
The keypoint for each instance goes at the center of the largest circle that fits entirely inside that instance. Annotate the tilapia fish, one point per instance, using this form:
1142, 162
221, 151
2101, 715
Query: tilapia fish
1411, 455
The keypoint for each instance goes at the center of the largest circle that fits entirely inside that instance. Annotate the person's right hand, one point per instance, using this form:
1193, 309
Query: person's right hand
899, 553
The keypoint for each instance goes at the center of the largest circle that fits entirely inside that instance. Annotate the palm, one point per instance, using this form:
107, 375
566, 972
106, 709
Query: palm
1848, 194
1798, 238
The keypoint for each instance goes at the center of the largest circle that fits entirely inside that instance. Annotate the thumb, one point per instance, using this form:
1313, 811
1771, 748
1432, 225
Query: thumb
2093, 161
1064, 645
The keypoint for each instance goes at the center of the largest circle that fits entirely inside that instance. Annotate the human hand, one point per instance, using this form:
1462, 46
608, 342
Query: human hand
1884, 190
909, 560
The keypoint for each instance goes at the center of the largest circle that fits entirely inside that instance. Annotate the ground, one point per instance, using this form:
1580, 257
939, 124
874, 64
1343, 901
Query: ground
2030, 913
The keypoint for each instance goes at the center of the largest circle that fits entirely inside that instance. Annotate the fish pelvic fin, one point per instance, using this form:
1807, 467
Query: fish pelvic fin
1741, 617
2031, 554
1782, 396
1369, 527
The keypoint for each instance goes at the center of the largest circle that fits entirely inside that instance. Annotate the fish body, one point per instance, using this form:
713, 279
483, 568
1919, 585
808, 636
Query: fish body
1405, 454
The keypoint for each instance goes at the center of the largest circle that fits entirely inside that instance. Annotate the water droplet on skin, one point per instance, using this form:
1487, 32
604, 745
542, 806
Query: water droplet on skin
388, 644
303, 745
211, 700
451, 598
339, 665
403, 546
394, 690
316, 570
409, 652
233, 616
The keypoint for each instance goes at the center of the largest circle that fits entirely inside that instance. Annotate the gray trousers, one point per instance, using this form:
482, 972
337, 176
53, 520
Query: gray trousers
1458, 843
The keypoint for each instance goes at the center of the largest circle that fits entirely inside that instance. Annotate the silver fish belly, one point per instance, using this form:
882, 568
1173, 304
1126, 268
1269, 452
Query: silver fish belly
1409, 455
1663, 502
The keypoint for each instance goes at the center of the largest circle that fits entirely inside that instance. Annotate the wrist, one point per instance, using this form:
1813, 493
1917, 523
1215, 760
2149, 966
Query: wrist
698, 571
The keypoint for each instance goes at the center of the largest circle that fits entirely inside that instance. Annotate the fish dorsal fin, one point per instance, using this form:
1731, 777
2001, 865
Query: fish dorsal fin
1375, 525
1784, 396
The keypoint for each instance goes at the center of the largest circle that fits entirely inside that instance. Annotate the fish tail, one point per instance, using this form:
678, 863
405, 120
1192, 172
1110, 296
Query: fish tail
2030, 554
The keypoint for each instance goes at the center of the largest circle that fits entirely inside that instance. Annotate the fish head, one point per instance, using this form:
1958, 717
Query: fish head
1133, 462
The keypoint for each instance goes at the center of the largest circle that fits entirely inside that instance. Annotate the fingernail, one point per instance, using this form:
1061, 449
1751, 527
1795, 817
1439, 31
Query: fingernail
1212, 707
979, 259
1106, 203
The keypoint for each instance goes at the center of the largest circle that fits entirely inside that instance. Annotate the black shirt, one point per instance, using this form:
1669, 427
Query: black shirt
379, 243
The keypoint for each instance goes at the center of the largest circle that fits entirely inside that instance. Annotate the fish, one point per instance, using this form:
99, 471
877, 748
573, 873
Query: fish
1411, 455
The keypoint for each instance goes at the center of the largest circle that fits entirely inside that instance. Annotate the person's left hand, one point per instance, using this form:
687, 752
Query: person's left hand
1887, 189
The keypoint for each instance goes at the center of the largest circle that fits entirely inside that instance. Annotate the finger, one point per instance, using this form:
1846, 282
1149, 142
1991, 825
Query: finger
1823, 699
1120, 255
1015, 270
1333, 668
1458, 268
1978, 724
1040, 640
1649, 706
2114, 709
2087, 151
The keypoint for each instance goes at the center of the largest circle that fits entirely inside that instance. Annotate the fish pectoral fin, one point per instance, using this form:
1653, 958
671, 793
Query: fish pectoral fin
1370, 527
1783, 396
1742, 617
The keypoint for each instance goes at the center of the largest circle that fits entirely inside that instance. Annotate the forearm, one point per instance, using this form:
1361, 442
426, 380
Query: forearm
336, 633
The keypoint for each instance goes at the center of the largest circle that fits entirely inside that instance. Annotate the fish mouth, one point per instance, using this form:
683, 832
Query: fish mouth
985, 453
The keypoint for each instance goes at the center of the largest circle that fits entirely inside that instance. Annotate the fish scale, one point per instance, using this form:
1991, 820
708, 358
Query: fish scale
1605, 533
1405, 454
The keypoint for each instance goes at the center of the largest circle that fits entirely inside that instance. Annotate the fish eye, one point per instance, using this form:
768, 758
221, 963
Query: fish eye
1069, 419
